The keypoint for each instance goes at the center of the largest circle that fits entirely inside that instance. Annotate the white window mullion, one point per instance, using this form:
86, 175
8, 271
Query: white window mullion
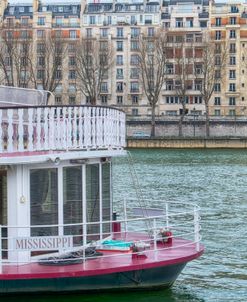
100, 201
84, 205
60, 201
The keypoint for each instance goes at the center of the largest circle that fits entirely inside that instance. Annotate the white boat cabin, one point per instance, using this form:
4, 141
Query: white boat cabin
55, 177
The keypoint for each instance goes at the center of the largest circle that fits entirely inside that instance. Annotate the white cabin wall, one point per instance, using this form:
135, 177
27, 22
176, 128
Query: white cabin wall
18, 209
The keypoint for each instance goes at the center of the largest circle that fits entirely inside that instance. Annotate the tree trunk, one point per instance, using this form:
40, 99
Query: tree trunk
180, 125
207, 121
153, 121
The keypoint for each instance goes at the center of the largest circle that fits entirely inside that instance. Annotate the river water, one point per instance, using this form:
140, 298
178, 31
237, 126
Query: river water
217, 181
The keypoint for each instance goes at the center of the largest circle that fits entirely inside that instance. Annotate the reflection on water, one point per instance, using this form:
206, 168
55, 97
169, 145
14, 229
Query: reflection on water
217, 181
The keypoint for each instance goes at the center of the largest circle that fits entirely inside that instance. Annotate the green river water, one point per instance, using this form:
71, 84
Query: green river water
217, 181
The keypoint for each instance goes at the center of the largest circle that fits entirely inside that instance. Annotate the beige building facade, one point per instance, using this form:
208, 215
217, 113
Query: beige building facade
121, 23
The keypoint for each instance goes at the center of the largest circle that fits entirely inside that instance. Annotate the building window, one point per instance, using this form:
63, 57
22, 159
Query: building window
232, 60
119, 32
134, 45
217, 87
232, 112
40, 74
72, 100
232, 48
242, 84
119, 73
217, 101
217, 74
150, 31
232, 74
104, 87
72, 34
179, 22
135, 32
119, 99
41, 21
134, 59
72, 75
41, 61
169, 85
58, 100
104, 32
217, 35
217, 112
119, 45
58, 74
232, 87
234, 9
134, 99
217, 60
72, 61
103, 99
92, 20
233, 20
134, 87
119, 86
218, 21
40, 33
89, 33
134, 111
189, 22
232, 34
119, 60
232, 101
198, 85
169, 68
134, 73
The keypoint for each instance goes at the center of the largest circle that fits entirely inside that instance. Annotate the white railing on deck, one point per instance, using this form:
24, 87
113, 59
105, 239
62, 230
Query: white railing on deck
184, 223
61, 128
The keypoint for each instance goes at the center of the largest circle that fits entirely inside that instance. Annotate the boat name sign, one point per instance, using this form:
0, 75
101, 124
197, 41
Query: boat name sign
43, 243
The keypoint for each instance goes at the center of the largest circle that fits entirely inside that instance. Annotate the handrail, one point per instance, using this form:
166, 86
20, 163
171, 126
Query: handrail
63, 128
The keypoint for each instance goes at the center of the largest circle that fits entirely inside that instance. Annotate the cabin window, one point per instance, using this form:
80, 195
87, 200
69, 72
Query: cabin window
72, 202
106, 197
44, 201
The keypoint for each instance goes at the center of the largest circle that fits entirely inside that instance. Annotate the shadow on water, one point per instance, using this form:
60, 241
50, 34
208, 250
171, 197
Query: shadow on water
168, 295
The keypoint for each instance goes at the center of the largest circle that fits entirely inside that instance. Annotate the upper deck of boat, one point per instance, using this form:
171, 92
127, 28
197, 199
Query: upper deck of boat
181, 251
41, 133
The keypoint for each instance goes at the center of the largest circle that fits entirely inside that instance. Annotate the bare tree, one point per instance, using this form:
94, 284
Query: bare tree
50, 50
183, 76
16, 56
94, 59
209, 64
152, 60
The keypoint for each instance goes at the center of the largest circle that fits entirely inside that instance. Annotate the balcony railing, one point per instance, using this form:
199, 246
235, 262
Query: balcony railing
60, 128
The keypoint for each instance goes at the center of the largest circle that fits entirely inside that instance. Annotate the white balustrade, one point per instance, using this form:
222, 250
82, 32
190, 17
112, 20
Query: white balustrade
61, 128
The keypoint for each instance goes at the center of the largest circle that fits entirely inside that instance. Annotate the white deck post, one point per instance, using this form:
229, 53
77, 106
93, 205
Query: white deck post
125, 217
155, 238
196, 228
167, 216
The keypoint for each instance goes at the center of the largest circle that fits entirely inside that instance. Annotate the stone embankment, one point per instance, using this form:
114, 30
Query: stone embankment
188, 143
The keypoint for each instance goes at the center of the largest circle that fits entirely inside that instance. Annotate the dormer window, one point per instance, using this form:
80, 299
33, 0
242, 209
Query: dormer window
21, 9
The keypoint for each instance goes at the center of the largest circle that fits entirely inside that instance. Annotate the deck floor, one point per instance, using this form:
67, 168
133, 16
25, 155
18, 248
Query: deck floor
180, 251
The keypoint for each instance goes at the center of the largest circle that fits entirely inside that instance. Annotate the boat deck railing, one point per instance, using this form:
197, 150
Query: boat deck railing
60, 128
133, 233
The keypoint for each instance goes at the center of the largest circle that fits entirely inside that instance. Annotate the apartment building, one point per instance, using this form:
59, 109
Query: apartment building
121, 23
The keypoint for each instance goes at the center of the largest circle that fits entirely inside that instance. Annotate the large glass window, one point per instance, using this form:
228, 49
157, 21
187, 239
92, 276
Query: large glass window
72, 202
44, 201
106, 197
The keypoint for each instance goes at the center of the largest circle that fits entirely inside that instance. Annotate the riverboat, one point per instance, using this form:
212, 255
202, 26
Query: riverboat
58, 232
